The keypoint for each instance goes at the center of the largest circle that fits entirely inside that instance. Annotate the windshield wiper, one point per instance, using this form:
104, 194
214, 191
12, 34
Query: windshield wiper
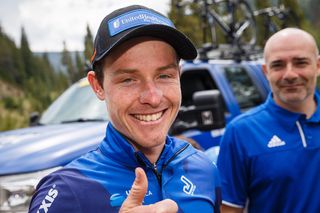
79, 120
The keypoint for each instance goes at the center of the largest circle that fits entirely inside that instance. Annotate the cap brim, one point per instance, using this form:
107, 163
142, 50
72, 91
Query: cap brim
182, 44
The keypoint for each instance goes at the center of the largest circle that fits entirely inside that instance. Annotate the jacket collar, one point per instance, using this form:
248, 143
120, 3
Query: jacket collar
117, 147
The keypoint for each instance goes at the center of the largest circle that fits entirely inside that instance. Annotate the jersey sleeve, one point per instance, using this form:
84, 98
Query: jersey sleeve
53, 195
232, 167
217, 189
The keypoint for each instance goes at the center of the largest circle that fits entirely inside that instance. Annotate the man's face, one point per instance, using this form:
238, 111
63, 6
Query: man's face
142, 90
292, 67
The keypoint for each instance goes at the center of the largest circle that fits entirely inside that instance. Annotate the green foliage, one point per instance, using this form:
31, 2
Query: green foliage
88, 44
26, 55
10, 64
75, 66
190, 24
10, 103
10, 121
27, 83
187, 21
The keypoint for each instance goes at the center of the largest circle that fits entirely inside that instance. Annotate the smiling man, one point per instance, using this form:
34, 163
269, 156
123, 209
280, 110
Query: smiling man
136, 72
270, 156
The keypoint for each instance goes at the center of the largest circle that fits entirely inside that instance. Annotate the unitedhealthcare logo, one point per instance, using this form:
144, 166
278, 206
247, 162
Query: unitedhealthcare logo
136, 18
116, 23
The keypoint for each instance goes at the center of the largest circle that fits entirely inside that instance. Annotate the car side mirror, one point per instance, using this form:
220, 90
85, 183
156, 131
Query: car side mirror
34, 119
206, 114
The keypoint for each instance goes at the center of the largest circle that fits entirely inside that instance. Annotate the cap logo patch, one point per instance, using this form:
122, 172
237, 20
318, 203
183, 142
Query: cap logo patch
136, 18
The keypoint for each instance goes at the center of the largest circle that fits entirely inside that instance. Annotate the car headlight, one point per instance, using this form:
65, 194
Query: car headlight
16, 190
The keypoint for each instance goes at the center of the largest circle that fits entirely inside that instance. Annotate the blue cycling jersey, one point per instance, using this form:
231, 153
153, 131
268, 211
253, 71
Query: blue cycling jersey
100, 180
270, 158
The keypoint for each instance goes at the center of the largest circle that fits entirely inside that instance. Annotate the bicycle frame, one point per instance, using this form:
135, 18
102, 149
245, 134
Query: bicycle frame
232, 32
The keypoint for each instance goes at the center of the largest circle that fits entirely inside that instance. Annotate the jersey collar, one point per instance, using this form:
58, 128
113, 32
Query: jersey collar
287, 118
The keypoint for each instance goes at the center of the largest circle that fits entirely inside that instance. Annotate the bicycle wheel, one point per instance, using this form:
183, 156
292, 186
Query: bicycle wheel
237, 22
287, 18
280, 18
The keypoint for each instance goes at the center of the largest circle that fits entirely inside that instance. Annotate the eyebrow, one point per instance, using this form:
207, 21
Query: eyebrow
275, 62
278, 61
169, 66
301, 59
122, 71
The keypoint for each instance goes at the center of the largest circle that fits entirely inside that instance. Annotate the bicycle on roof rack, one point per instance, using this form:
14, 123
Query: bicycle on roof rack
233, 17
276, 18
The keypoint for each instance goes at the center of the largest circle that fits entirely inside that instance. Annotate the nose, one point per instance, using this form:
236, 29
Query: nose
290, 73
151, 94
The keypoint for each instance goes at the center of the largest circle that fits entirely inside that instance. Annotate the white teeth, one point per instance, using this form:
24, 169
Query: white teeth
147, 118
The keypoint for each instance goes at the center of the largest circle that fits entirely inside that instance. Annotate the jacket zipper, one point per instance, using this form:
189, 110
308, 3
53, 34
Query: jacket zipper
303, 138
175, 155
156, 172
146, 162
154, 167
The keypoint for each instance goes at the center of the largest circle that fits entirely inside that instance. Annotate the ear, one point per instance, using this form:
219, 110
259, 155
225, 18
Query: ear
264, 69
96, 87
318, 66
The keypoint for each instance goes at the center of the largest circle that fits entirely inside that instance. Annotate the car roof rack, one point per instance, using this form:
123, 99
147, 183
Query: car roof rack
229, 52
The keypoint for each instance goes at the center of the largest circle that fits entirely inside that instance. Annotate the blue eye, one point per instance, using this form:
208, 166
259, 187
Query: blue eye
127, 80
164, 76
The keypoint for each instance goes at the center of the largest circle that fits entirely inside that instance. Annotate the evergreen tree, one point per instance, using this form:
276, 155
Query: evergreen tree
67, 61
80, 65
26, 54
88, 44
187, 20
11, 68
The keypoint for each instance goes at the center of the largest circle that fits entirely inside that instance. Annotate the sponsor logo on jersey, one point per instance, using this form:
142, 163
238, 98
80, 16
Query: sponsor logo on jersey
147, 194
48, 200
188, 187
275, 142
117, 199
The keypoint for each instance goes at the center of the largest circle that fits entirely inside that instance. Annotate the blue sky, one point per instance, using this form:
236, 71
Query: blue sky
50, 22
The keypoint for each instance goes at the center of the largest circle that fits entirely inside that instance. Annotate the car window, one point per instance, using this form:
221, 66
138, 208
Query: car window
78, 103
245, 91
193, 81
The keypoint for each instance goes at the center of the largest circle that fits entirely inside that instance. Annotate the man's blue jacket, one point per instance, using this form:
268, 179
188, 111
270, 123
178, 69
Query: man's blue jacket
100, 180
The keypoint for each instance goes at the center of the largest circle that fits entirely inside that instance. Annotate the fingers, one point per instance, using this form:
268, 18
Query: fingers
164, 206
138, 190
133, 203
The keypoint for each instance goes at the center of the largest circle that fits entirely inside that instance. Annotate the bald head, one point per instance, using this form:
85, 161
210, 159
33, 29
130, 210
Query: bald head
290, 37
292, 66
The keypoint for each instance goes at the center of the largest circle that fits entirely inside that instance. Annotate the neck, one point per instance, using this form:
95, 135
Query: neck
152, 154
307, 107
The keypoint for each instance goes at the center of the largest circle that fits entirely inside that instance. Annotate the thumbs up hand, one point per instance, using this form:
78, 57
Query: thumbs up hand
133, 203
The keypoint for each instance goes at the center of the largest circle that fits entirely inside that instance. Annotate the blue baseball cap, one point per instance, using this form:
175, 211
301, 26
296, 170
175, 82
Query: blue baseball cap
135, 21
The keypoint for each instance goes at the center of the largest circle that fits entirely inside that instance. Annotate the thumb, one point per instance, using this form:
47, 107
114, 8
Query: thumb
137, 192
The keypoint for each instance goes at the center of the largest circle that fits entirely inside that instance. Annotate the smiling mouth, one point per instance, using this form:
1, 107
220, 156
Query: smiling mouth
149, 117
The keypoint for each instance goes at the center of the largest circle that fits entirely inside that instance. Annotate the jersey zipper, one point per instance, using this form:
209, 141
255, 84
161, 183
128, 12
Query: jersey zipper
303, 138
156, 172
175, 155
143, 161
159, 173
154, 166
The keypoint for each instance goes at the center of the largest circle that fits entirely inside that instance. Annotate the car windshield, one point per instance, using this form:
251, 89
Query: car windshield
76, 104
